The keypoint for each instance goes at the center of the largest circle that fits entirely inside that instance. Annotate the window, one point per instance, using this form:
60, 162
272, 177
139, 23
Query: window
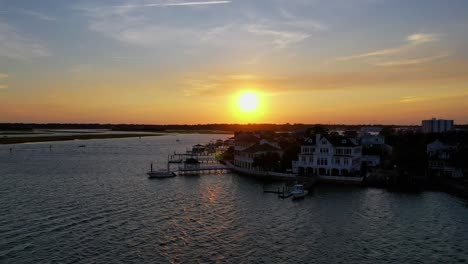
323, 150
345, 161
337, 161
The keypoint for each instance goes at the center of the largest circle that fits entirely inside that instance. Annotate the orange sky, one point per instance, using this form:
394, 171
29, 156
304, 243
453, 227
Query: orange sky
308, 62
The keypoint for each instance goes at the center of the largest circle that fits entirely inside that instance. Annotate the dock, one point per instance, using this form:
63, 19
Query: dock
178, 158
217, 168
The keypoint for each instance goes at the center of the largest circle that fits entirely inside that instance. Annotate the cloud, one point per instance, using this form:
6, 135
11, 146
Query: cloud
411, 99
386, 57
252, 37
199, 84
179, 4
37, 15
280, 39
372, 54
421, 38
411, 41
16, 46
3, 76
413, 61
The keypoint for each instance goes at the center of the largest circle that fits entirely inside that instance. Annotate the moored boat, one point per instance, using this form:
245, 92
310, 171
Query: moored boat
298, 191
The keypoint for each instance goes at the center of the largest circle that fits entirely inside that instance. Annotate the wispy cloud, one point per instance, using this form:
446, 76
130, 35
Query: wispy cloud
411, 99
384, 58
189, 3
177, 4
421, 38
413, 61
16, 46
372, 54
132, 25
411, 40
280, 39
36, 14
207, 84
3, 76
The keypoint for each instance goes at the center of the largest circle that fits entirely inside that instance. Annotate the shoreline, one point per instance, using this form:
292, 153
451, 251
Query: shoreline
21, 140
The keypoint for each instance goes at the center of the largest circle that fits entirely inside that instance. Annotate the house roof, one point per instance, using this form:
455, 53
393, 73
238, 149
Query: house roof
340, 141
310, 141
260, 148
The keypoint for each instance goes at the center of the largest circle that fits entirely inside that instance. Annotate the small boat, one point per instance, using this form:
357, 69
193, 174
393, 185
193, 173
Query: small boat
298, 191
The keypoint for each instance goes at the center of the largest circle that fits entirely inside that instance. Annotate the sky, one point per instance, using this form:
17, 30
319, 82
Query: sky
188, 61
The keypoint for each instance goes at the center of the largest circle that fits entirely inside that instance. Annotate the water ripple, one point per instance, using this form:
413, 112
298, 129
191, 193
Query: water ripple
95, 205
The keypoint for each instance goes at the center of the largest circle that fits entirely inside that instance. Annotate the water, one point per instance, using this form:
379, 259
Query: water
95, 205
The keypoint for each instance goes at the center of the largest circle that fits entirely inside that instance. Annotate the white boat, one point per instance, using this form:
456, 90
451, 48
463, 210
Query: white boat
298, 191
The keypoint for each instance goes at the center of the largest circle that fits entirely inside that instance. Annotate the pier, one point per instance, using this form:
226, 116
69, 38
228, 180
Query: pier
202, 158
218, 168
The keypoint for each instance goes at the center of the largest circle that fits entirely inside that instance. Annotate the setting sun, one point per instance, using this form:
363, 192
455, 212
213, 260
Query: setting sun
248, 102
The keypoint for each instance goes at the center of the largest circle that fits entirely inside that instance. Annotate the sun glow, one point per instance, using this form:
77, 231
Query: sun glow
248, 102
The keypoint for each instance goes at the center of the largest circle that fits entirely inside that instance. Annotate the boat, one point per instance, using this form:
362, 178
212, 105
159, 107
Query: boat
298, 191
159, 174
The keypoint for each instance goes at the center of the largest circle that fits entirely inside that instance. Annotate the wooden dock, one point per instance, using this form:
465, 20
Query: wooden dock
218, 168
202, 158
282, 193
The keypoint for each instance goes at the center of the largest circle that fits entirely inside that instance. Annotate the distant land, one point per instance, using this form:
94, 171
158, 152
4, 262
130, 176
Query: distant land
196, 128
19, 140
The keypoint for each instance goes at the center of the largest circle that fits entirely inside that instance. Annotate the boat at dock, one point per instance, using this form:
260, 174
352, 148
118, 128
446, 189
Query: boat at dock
298, 191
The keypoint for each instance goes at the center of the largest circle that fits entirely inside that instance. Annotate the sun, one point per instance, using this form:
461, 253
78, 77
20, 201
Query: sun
248, 102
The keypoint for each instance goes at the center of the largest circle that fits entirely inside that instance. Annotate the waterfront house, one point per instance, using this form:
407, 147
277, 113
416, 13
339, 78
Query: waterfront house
329, 157
441, 161
249, 146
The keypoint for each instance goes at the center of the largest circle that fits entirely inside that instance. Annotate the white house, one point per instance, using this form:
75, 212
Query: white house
440, 159
329, 156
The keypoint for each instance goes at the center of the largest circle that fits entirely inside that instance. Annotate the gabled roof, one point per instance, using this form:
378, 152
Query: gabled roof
260, 148
309, 141
340, 141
